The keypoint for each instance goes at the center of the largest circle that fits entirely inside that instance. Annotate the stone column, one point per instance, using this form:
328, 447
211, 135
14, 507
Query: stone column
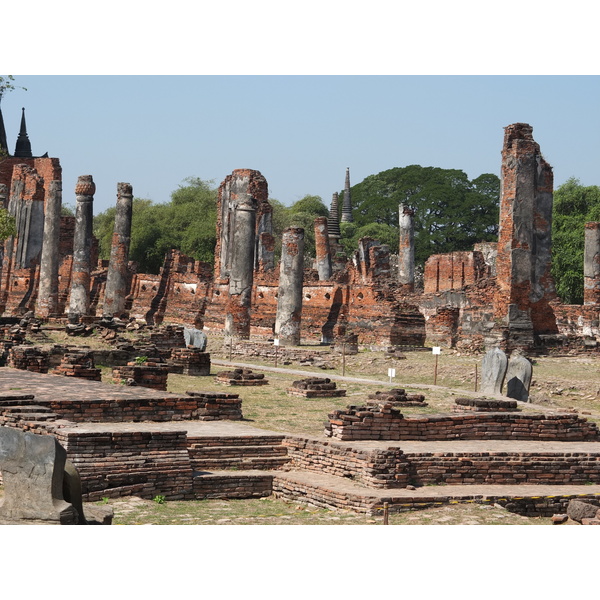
241, 271
347, 204
591, 264
406, 247
289, 299
82, 248
47, 300
322, 249
117, 278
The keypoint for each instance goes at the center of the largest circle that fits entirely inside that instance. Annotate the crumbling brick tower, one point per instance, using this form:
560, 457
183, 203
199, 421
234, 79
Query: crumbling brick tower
525, 286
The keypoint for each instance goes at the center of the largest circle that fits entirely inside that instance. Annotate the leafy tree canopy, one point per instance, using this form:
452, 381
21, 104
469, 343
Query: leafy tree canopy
574, 206
451, 212
7, 224
187, 223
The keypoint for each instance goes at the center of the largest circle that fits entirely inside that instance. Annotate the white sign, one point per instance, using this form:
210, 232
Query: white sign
391, 372
437, 350
275, 342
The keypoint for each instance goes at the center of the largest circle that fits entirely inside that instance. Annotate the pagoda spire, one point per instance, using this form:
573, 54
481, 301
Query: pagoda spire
347, 205
333, 222
3, 142
23, 147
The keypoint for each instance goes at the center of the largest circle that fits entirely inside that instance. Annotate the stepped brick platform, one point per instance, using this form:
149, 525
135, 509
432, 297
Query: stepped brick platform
315, 387
169, 451
241, 377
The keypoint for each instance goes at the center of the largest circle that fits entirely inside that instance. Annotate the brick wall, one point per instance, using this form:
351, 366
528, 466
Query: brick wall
387, 423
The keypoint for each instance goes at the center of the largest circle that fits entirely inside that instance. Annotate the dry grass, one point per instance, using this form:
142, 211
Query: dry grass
272, 511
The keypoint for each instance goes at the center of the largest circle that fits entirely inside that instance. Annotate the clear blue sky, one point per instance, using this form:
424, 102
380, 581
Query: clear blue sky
301, 132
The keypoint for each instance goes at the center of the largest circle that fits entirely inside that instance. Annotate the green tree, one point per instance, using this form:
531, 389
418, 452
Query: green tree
7, 85
451, 212
300, 214
7, 224
574, 206
186, 223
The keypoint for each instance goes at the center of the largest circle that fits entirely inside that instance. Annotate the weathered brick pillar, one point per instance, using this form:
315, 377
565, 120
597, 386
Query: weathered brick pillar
322, 249
591, 264
289, 298
47, 300
264, 259
347, 204
117, 278
82, 248
235, 188
406, 247
241, 269
523, 263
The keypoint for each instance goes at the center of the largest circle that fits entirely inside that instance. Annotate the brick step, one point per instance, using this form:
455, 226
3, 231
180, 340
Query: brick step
28, 408
202, 452
233, 484
249, 463
10, 399
30, 417
331, 492
505, 468
205, 442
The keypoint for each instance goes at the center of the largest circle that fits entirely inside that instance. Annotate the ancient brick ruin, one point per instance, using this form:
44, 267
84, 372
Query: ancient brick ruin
497, 294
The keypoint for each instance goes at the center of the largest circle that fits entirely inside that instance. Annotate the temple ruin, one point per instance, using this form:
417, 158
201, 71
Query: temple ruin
498, 294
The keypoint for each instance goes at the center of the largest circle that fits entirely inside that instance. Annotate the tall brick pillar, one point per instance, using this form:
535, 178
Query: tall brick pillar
406, 247
525, 285
289, 297
240, 267
117, 278
322, 249
79, 304
591, 264
235, 188
47, 300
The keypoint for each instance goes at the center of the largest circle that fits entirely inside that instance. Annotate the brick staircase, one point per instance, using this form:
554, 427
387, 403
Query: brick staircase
237, 453
23, 411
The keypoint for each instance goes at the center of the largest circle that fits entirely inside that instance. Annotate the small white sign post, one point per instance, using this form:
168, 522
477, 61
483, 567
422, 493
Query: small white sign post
436, 351
391, 373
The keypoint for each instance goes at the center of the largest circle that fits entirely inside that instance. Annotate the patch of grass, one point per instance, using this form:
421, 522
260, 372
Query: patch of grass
273, 511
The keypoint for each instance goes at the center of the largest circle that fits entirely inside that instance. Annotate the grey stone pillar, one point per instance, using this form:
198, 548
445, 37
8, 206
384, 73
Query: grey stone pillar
82, 248
241, 274
289, 298
322, 249
47, 300
117, 278
406, 247
591, 264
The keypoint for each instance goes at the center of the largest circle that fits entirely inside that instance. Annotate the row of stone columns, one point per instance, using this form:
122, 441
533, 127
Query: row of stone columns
117, 280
